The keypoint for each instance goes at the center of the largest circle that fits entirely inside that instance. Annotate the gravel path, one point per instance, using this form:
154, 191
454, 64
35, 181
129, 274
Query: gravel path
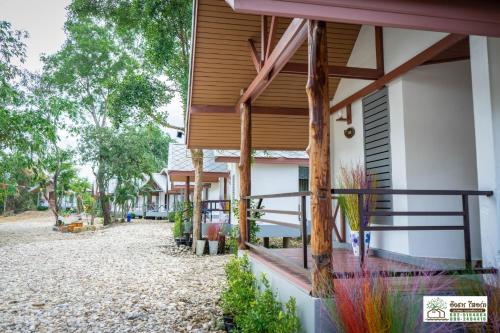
126, 278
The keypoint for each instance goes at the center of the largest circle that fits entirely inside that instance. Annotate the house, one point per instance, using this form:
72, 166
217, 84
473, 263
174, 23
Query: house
181, 173
67, 201
410, 89
272, 171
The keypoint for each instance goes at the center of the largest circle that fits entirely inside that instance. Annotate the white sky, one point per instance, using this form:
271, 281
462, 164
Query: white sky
44, 21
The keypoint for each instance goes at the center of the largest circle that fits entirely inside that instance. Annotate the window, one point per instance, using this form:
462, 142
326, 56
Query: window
377, 146
303, 178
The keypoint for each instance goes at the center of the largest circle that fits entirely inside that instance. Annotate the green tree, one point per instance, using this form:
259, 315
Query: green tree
93, 72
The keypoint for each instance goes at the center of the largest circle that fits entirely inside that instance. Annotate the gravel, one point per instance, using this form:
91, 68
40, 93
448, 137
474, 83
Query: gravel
124, 278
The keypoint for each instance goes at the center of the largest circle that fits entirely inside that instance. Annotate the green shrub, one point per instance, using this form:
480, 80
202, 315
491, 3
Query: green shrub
254, 310
178, 225
42, 208
171, 216
241, 288
268, 315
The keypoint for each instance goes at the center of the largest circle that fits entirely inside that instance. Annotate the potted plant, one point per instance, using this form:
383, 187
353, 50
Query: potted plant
213, 230
356, 178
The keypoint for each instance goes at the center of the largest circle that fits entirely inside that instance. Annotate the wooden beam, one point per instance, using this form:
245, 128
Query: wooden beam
417, 60
186, 190
319, 160
290, 42
263, 38
379, 49
206, 109
271, 36
254, 55
336, 71
244, 167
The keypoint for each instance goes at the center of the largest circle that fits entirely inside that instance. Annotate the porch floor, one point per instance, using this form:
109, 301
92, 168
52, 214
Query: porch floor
345, 262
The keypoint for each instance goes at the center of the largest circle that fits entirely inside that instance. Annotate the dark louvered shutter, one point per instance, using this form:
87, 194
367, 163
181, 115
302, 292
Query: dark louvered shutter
376, 130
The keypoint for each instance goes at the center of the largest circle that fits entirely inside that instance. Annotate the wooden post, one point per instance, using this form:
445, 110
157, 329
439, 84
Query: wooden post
319, 159
186, 190
197, 159
245, 159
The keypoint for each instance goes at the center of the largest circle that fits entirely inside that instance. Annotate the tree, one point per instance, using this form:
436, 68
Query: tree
163, 30
94, 71
55, 172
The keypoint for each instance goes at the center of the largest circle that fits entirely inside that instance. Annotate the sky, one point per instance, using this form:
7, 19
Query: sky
44, 21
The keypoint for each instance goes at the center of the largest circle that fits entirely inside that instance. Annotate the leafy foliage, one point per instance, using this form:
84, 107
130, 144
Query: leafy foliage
255, 310
160, 30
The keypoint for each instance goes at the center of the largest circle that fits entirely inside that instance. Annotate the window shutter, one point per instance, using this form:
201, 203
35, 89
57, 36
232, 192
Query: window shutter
377, 147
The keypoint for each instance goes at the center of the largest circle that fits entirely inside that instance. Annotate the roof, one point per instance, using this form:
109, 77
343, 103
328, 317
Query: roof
479, 17
265, 157
221, 66
181, 166
228, 66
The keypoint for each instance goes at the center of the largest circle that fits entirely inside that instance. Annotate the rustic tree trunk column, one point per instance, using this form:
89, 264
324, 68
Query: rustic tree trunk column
245, 159
319, 159
197, 158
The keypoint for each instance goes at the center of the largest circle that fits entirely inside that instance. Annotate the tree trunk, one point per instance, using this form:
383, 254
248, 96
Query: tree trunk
103, 198
52, 205
244, 166
319, 160
197, 157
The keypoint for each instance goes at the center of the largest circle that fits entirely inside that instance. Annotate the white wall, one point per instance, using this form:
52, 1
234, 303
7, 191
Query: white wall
485, 67
271, 179
407, 99
440, 153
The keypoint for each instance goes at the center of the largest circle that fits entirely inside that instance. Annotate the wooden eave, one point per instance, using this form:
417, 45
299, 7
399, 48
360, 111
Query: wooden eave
222, 65
208, 177
479, 17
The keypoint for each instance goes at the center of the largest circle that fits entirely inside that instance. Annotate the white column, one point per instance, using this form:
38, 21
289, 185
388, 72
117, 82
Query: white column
485, 70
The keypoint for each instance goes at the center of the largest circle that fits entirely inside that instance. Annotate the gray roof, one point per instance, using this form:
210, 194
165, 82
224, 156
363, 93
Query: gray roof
264, 154
179, 159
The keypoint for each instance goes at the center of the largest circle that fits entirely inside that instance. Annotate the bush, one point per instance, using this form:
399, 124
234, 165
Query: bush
254, 310
178, 224
42, 208
171, 216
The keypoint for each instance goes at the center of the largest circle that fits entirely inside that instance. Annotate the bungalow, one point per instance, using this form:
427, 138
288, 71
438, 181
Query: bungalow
180, 171
409, 89
272, 171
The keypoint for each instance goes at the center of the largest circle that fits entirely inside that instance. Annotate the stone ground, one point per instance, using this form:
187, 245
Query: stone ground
124, 278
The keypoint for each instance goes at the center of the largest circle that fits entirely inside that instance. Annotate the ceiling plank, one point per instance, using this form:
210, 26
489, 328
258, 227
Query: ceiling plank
417, 60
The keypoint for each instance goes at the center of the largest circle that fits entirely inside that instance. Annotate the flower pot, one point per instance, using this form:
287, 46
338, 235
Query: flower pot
228, 323
213, 247
355, 242
178, 241
200, 247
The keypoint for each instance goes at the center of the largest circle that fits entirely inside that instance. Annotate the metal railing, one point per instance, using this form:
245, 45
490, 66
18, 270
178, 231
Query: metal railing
363, 212
210, 206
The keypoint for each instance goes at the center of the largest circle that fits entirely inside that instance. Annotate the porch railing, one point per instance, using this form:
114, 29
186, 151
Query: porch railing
208, 207
340, 234
363, 212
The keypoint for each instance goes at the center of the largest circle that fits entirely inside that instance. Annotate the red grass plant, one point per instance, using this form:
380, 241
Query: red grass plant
213, 230
378, 304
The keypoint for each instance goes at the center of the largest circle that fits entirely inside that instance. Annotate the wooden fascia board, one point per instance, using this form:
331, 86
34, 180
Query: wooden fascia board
207, 109
293, 37
265, 160
194, 28
336, 71
417, 60
175, 175
480, 17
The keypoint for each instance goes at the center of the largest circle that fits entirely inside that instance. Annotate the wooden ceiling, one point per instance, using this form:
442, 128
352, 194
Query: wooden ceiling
222, 66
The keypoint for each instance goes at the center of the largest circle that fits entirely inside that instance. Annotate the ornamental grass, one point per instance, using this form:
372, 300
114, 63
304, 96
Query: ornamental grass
379, 304
355, 177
